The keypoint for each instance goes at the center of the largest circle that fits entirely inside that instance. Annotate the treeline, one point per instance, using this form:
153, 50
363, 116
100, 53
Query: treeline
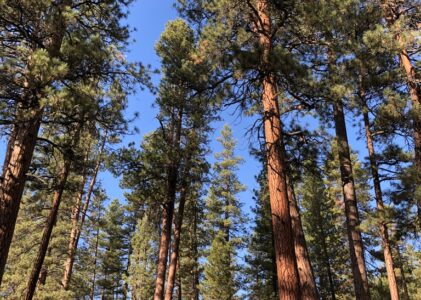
326, 224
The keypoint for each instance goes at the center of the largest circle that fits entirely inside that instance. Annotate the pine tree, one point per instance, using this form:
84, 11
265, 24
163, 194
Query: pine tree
141, 277
223, 213
113, 252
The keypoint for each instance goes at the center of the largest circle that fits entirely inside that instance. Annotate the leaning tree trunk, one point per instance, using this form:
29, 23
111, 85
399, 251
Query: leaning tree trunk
52, 217
384, 234
390, 10
17, 161
351, 210
77, 225
286, 265
22, 143
305, 271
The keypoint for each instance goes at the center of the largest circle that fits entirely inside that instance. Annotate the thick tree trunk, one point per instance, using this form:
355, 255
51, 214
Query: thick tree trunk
351, 210
164, 244
287, 271
178, 223
77, 225
17, 161
52, 217
305, 271
384, 234
22, 142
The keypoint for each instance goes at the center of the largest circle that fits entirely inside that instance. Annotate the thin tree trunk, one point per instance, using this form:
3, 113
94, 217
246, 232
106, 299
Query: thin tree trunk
92, 295
327, 261
77, 225
168, 212
390, 8
22, 143
384, 234
287, 271
305, 271
18, 158
178, 223
351, 210
52, 217
405, 295
71, 249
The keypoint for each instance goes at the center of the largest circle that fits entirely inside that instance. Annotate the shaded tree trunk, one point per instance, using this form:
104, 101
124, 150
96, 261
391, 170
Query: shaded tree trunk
92, 294
351, 210
305, 271
286, 265
384, 234
52, 217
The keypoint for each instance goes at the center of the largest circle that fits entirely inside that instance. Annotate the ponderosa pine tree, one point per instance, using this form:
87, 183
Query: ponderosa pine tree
54, 57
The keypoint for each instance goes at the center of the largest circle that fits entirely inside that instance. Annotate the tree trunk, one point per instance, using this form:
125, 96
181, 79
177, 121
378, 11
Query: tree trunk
287, 271
77, 225
52, 217
168, 211
391, 15
92, 295
327, 261
17, 161
384, 234
22, 142
351, 210
305, 271
71, 249
178, 223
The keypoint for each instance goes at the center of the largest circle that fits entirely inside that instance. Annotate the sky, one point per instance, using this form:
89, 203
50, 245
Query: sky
148, 18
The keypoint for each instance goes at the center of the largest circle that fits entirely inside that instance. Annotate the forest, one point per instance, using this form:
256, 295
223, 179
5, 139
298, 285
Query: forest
105, 195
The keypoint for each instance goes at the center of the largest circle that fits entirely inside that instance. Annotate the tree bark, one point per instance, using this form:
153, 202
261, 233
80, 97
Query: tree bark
307, 283
287, 271
351, 210
178, 223
384, 234
77, 225
22, 143
92, 294
52, 217
73, 233
168, 210
18, 158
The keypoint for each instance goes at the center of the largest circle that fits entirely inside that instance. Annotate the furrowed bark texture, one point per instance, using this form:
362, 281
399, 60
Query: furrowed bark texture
286, 265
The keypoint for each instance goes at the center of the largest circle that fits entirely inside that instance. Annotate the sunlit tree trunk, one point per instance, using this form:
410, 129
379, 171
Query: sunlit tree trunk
307, 282
286, 265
